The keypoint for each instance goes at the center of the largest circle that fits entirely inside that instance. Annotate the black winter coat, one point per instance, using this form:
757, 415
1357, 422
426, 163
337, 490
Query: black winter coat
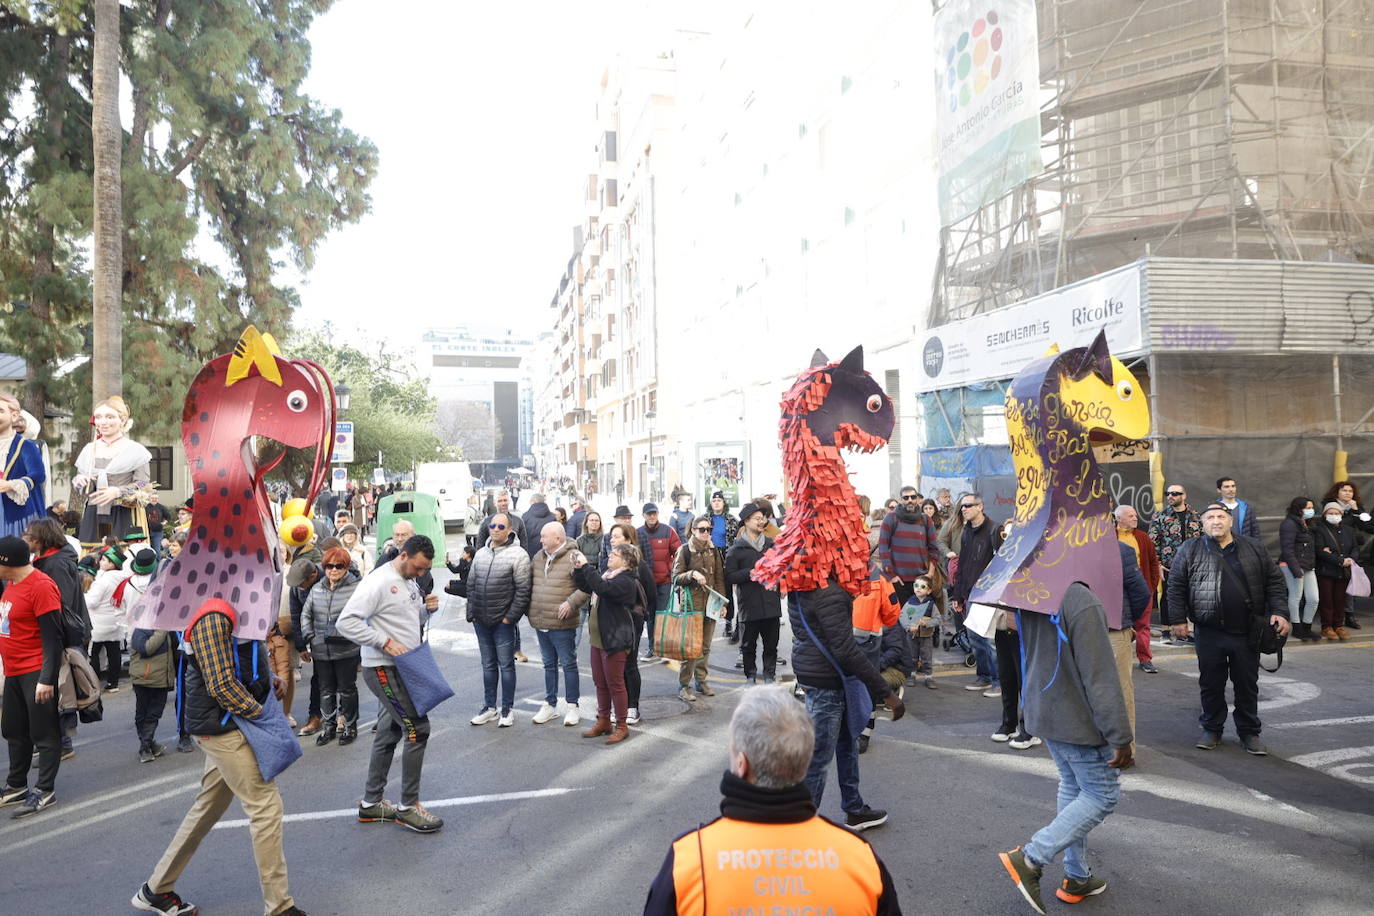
1195, 581
976, 547
616, 596
1296, 546
754, 601
534, 520
1333, 544
1135, 592
76, 620
830, 612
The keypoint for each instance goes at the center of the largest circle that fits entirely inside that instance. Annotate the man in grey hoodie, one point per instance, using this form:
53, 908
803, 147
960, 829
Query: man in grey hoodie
384, 617
1073, 699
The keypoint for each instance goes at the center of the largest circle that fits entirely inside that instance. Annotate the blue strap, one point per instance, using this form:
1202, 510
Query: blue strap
181, 688
828, 657
1059, 643
235, 652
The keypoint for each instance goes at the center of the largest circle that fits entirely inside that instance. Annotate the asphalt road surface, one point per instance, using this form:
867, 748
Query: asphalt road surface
540, 820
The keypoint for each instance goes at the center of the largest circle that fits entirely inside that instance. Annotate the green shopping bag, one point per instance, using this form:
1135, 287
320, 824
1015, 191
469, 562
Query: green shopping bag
679, 629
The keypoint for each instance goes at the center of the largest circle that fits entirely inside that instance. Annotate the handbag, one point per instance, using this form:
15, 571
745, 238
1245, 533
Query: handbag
423, 680
1359, 582
680, 629
274, 744
858, 702
1262, 636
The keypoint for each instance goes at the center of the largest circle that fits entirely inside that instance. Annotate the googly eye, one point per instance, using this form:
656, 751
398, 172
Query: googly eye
875, 403
1124, 390
296, 401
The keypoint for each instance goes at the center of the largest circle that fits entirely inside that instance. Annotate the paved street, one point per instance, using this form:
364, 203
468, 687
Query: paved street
539, 819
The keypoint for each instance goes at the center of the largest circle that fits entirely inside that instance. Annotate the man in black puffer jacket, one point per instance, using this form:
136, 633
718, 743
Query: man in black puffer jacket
1220, 582
499, 584
828, 613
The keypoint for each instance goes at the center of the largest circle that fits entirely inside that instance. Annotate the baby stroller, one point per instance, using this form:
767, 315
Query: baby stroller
959, 640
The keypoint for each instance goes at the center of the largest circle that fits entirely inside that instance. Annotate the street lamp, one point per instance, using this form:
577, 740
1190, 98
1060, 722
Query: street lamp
343, 396
586, 462
649, 415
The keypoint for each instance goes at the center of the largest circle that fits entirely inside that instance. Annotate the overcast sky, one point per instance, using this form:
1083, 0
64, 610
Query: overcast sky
484, 116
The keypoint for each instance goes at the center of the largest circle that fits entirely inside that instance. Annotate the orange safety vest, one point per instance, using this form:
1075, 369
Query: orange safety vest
874, 610
743, 868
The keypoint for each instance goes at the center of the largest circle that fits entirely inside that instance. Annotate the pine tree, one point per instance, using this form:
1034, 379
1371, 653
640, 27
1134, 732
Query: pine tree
227, 167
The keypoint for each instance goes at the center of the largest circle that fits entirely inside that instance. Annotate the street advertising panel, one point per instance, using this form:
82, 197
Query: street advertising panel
987, 80
998, 344
722, 466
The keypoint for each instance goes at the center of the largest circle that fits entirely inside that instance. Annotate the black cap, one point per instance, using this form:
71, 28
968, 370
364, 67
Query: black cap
14, 552
1210, 506
719, 494
747, 510
622, 511
649, 507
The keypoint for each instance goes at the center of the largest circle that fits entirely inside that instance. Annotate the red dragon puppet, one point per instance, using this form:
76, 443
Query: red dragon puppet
232, 552
832, 406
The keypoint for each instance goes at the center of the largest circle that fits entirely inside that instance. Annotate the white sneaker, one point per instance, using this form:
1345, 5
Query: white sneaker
488, 714
507, 719
545, 713
574, 715
632, 716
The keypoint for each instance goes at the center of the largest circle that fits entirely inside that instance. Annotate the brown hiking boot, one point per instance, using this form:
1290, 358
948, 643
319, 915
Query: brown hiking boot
622, 731
312, 725
1342, 634
1328, 633
601, 727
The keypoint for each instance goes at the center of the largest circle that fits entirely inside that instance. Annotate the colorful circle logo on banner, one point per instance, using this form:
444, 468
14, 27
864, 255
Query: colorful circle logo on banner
973, 61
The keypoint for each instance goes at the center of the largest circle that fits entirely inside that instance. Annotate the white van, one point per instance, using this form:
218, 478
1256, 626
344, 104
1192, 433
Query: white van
449, 482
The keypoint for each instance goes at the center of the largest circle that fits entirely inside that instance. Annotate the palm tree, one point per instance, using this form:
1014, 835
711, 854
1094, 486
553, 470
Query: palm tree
107, 134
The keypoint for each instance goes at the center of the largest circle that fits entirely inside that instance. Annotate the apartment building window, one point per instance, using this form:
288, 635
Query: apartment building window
609, 146
612, 197
161, 466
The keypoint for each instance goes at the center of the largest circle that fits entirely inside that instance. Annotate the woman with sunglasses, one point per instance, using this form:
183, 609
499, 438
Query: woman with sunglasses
336, 657
697, 567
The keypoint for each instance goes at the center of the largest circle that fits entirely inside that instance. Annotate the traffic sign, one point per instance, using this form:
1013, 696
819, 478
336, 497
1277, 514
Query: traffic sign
343, 442
338, 480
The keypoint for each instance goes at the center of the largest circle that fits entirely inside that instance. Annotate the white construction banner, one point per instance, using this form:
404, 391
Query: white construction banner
987, 81
997, 344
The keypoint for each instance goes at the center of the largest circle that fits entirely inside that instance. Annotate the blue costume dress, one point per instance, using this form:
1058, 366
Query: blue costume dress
21, 462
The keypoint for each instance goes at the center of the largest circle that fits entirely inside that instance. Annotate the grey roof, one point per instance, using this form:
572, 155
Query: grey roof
12, 366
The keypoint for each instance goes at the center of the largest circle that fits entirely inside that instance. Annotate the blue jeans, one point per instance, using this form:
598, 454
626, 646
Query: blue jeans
1298, 588
986, 655
1088, 791
661, 595
827, 708
559, 650
497, 644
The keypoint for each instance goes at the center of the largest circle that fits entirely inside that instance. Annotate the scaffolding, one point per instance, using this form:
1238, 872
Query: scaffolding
1191, 128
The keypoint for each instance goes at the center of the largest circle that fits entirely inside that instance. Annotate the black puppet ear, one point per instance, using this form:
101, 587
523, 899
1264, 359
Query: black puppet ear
854, 361
819, 359
1096, 358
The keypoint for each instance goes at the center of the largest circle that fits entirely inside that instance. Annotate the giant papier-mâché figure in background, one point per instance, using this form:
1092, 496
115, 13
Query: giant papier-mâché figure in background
1058, 407
832, 406
233, 551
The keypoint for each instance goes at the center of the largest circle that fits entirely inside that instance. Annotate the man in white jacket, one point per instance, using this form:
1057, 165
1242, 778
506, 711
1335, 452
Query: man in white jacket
384, 617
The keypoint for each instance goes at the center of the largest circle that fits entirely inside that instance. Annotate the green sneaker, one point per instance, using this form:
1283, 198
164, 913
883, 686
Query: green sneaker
418, 819
1026, 876
1076, 890
381, 811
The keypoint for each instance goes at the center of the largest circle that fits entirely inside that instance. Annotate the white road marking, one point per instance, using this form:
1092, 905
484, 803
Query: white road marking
1324, 760
85, 822
441, 803
1284, 805
1289, 692
1349, 720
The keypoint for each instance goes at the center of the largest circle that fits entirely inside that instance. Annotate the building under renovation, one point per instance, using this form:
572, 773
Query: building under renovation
1224, 148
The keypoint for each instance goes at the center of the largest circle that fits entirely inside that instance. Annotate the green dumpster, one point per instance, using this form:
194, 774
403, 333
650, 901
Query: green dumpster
420, 509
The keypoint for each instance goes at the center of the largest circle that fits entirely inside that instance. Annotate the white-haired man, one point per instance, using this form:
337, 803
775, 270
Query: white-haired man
769, 835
